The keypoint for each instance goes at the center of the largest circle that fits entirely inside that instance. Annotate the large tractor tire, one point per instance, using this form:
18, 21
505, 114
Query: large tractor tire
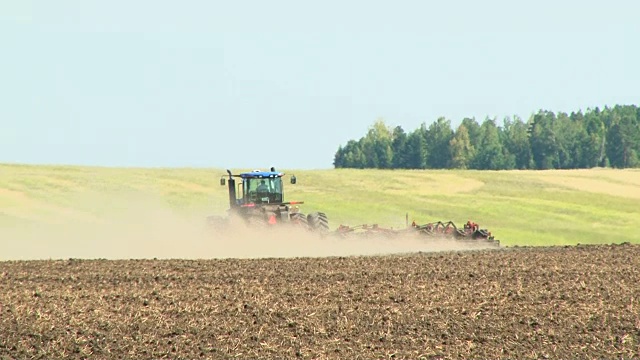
299, 219
318, 222
256, 221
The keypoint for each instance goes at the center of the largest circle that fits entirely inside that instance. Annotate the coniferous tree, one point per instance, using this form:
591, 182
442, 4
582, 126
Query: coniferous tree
399, 148
491, 155
438, 137
569, 134
417, 149
593, 145
543, 140
622, 141
516, 142
462, 152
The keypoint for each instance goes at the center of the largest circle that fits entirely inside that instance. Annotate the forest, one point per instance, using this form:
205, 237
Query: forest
608, 137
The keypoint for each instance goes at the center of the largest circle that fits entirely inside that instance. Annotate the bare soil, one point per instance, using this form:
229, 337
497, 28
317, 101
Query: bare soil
523, 303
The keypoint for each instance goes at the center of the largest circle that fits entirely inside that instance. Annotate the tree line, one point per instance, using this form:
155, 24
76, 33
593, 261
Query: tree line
596, 138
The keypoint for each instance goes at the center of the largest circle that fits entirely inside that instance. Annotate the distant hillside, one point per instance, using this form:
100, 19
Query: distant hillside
519, 207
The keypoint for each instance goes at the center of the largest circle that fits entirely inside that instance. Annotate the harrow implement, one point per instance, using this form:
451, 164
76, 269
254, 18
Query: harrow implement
470, 232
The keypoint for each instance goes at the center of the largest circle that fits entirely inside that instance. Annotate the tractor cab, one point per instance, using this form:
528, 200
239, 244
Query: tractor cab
256, 187
261, 187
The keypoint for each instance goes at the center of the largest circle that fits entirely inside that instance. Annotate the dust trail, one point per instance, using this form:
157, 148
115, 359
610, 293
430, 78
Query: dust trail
147, 228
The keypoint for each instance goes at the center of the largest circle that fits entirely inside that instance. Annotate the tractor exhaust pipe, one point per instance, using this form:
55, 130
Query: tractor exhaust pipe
232, 190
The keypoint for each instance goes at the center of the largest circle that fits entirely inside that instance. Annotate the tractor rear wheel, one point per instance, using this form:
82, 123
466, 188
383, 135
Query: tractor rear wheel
318, 222
257, 221
299, 219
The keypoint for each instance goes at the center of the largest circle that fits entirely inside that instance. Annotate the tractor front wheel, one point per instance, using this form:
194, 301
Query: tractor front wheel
299, 219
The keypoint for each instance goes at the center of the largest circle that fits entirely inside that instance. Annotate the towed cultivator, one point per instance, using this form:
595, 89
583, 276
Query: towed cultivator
259, 200
470, 232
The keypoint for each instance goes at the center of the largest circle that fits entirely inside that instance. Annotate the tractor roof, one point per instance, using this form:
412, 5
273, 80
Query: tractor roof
257, 174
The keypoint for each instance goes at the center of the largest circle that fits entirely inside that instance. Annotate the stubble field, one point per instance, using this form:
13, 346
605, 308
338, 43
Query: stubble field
561, 302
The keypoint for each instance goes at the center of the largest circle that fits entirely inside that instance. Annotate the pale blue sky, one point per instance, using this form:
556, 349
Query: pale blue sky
254, 84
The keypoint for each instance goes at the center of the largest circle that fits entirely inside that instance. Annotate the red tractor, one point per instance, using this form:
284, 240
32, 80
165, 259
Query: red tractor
259, 200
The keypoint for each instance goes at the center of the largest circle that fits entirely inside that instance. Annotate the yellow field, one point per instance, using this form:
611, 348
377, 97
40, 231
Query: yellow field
52, 207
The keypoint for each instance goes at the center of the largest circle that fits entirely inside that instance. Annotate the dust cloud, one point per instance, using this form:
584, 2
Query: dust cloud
146, 229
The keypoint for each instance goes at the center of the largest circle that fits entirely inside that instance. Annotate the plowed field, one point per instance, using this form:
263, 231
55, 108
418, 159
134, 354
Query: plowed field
564, 302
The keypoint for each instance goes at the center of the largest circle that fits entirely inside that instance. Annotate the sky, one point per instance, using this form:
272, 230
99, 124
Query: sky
254, 84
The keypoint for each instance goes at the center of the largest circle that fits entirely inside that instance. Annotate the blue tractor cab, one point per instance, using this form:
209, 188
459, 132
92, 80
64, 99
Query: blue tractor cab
256, 188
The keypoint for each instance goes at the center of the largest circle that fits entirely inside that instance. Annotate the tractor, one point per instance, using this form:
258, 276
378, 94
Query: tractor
258, 199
